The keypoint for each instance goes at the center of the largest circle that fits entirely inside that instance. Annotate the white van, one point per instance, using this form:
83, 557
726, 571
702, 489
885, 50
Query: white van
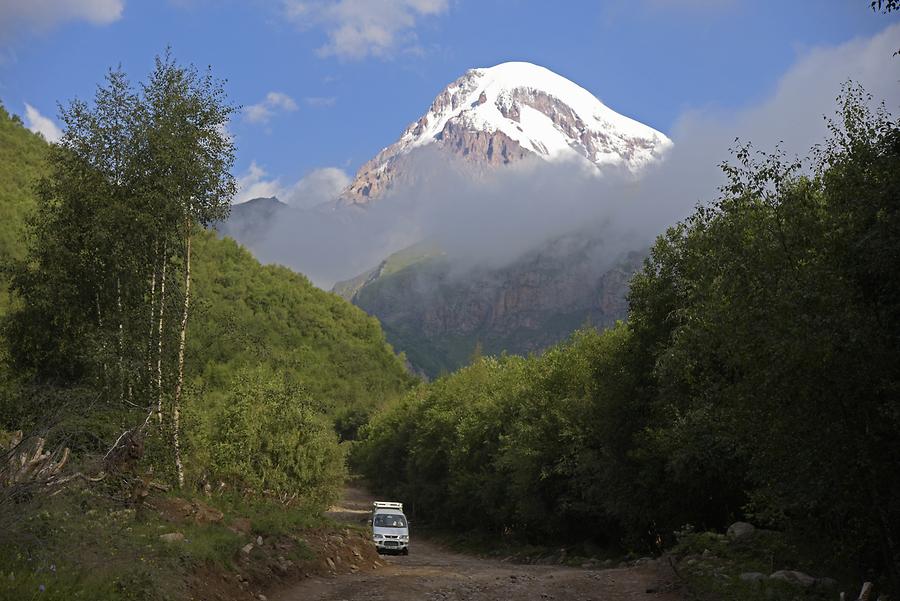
390, 529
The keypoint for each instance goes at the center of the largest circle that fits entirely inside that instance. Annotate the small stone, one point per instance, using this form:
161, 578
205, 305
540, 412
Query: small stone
330, 563
739, 530
171, 537
247, 548
262, 597
259, 541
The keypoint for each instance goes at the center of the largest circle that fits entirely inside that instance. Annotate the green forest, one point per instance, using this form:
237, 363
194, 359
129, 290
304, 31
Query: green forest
755, 378
138, 349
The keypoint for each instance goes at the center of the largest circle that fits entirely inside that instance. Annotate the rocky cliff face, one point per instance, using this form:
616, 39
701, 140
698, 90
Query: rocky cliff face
500, 115
437, 314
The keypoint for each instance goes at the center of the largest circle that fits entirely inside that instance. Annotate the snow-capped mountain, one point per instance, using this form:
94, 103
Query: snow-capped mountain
498, 115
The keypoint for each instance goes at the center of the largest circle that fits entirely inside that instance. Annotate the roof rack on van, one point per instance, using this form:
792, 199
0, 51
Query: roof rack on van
387, 505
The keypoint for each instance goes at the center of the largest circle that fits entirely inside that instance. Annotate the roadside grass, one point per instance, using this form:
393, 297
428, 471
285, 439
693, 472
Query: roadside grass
83, 544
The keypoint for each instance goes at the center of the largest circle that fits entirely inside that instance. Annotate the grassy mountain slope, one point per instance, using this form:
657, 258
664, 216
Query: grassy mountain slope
400, 260
21, 162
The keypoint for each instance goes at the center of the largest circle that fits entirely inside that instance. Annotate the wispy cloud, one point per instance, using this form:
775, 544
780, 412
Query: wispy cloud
253, 184
263, 111
357, 29
316, 187
26, 16
40, 124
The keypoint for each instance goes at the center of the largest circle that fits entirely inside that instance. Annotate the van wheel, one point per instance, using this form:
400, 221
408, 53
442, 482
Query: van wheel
406, 551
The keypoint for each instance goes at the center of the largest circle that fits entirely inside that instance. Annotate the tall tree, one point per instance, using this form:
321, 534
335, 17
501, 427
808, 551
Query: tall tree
134, 175
189, 160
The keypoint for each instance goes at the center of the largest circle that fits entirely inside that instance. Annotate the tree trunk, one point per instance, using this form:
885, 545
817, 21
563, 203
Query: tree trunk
176, 405
152, 324
102, 344
121, 340
159, 347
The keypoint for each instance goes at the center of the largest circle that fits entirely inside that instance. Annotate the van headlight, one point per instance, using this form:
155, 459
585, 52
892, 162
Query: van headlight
377, 536
404, 537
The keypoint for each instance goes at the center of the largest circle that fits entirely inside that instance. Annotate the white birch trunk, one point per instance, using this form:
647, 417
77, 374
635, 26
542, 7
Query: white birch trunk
159, 348
176, 404
152, 320
121, 340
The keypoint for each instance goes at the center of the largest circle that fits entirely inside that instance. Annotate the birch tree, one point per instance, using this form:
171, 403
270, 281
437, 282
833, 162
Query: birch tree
191, 156
135, 174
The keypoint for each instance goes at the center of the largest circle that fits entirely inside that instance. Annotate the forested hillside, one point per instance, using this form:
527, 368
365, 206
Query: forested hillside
142, 354
22, 156
755, 378
247, 314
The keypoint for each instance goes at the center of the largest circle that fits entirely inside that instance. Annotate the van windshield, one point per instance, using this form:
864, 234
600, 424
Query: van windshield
389, 520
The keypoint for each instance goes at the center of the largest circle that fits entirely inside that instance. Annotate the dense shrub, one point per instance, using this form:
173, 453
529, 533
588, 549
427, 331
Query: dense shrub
267, 436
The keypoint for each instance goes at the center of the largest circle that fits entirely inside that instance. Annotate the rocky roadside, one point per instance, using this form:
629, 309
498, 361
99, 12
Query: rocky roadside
264, 564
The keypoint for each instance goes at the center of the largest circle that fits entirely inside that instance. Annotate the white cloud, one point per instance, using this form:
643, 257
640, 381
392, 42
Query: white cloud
360, 28
263, 111
254, 184
316, 187
17, 16
40, 124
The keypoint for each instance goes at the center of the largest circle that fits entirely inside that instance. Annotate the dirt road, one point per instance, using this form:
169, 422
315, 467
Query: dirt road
432, 573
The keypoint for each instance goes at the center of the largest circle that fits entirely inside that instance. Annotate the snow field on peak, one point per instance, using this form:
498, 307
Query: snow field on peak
478, 99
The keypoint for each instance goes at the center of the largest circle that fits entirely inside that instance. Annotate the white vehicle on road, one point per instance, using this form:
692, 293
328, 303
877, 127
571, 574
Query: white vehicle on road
390, 528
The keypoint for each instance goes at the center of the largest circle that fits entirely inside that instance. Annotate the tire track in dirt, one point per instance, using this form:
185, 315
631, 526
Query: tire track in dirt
433, 573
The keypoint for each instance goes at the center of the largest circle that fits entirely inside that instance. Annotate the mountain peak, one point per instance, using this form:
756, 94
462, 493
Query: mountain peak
498, 115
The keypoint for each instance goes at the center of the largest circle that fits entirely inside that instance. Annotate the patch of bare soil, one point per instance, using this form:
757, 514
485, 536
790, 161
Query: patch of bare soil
433, 573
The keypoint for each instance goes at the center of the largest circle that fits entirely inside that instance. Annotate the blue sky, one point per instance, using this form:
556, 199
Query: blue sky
327, 83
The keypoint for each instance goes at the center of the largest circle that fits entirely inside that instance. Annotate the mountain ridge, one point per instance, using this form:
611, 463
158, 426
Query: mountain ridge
503, 114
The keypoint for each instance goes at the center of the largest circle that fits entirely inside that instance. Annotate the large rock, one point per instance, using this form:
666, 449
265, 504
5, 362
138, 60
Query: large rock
752, 576
171, 537
794, 577
740, 530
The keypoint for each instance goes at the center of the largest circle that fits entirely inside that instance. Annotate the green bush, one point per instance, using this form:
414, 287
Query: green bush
268, 436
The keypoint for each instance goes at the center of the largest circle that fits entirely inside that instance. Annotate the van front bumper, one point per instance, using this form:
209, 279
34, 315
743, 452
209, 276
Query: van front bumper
391, 545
